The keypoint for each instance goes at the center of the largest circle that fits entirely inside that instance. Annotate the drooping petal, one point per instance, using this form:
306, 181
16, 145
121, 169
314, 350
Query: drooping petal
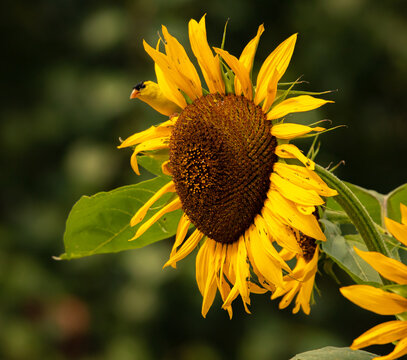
208, 63
399, 231
290, 151
375, 300
162, 130
296, 104
153, 144
205, 274
169, 89
141, 213
290, 131
182, 229
387, 267
274, 68
242, 285
399, 350
240, 71
294, 192
285, 211
189, 245
267, 265
172, 206
170, 69
381, 334
247, 56
280, 232
176, 52
305, 178
262, 232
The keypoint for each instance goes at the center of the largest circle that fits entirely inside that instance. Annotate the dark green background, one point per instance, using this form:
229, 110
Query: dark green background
67, 71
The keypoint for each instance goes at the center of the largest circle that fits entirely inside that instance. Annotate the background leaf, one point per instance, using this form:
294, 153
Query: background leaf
334, 353
101, 223
393, 200
340, 249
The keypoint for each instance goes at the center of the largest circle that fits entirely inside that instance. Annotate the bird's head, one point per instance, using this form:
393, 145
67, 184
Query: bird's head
138, 89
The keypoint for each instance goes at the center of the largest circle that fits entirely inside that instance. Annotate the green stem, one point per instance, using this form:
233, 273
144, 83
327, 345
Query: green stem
356, 212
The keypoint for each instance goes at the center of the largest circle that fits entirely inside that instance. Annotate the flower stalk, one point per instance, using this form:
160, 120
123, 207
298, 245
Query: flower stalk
356, 212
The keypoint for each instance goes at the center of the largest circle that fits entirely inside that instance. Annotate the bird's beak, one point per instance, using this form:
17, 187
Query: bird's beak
134, 94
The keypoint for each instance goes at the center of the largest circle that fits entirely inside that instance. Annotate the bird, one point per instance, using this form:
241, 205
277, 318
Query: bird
150, 93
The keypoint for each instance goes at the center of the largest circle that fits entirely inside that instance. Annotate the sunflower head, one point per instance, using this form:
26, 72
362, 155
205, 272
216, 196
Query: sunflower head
239, 182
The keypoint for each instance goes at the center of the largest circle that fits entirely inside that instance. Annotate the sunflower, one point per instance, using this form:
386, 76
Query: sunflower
239, 182
380, 301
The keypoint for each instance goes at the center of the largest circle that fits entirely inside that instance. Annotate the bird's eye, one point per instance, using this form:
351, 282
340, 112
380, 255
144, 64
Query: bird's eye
139, 86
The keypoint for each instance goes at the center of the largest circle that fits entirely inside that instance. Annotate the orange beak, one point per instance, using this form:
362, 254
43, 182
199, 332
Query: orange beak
134, 94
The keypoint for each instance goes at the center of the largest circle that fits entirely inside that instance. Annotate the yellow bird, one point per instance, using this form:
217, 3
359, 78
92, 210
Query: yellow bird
150, 93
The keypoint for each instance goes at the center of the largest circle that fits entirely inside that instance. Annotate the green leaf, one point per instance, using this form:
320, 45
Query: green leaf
340, 249
370, 199
101, 223
393, 200
334, 353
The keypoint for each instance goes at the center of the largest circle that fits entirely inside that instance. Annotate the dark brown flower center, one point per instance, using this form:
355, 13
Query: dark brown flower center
221, 158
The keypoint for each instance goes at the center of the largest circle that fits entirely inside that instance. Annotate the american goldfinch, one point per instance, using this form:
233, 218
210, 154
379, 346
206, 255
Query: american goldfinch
150, 93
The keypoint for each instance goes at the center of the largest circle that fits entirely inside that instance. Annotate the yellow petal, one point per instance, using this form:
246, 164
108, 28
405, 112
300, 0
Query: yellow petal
165, 168
242, 285
172, 74
162, 130
141, 213
274, 66
153, 144
389, 268
247, 56
399, 350
176, 52
172, 206
290, 151
296, 104
208, 63
399, 231
375, 300
290, 131
240, 71
182, 229
205, 274
169, 89
280, 232
266, 264
305, 178
271, 90
286, 211
294, 192
189, 245
381, 334
263, 236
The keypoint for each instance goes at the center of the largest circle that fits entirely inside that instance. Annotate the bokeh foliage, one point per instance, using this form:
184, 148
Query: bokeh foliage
67, 72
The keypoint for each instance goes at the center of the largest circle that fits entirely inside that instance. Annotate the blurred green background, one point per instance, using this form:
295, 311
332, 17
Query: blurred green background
68, 68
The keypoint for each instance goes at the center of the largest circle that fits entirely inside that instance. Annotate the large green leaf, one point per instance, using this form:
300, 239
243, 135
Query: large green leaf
101, 223
334, 353
340, 249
